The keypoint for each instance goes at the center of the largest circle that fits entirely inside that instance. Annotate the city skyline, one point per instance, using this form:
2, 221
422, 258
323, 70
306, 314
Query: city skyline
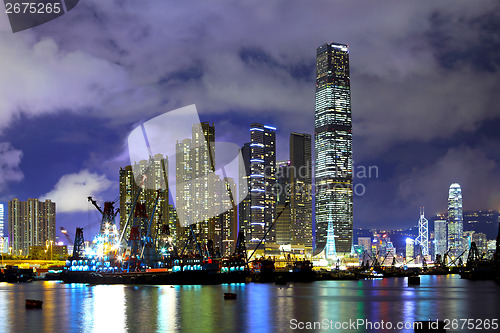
411, 117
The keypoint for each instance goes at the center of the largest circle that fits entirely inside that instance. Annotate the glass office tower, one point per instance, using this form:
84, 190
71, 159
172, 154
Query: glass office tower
455, 220
333, 150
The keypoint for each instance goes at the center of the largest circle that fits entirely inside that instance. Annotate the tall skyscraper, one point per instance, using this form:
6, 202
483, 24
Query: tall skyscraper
333, 149
201, 194
440, 238
196, 181
2, 247
31, 223
455, 220
154, 184
262, 180
244, 213
301, 189
422, 241
226, 225
410, 254
284, 227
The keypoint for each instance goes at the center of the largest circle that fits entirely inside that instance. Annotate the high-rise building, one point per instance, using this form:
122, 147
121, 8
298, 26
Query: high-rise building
244, 213
261, 184
154, 189
422, 241
481, 242
283, 193
301, 189
410, 253
31, 223
226, 225
365, 243
2, 247
455, 220
333, 149
440, 238
201, 194
196, 181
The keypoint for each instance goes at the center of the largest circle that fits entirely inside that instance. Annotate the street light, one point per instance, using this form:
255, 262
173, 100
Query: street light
10, 250
51, 249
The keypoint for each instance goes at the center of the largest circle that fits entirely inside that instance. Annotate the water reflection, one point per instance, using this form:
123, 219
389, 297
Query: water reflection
107, 310
258, 307
167, 307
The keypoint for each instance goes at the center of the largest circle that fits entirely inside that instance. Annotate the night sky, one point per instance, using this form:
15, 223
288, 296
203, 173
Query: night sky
424, 83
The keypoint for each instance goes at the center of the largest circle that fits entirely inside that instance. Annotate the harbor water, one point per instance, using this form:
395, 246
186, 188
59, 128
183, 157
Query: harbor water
258, 307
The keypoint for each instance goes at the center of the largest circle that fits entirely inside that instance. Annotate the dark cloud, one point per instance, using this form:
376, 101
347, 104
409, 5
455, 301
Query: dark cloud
10, 158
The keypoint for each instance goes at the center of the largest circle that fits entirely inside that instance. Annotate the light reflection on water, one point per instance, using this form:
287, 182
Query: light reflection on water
258, 308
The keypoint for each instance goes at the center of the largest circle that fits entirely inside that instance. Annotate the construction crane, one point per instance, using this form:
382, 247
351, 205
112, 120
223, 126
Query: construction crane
79, 244
107, 240
148, 251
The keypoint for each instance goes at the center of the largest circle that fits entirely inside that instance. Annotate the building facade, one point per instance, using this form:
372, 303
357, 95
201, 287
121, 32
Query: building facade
440, 237
301, 189
154, 190
455, 220
333, 149
284, 227
195, 182
201, 194
2, 247
409, 253
31, 223
262, 179
244, 215
365, 243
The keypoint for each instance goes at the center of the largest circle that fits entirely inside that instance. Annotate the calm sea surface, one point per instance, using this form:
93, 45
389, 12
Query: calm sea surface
258, 307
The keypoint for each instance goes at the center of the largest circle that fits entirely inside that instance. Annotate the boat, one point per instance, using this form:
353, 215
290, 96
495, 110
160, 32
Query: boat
33, 304
414, 280
230, 296
15, 274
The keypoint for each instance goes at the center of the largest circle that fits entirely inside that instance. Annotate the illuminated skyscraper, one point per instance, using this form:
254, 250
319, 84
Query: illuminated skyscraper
301, 189
422, 241
244, 206
2, 247
455, 220
284, 228
409, 249
333, 148
440, 238
196, 181
31, 223
261, 183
